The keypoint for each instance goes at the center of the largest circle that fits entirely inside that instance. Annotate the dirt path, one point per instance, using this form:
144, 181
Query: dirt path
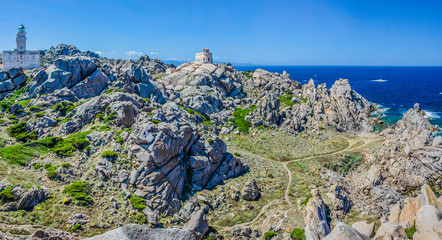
350, 147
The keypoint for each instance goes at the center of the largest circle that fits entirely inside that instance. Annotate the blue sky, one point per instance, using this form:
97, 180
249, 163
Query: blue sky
294, 32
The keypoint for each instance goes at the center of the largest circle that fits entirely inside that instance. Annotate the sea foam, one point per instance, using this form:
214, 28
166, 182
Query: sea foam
379, 80
432, 115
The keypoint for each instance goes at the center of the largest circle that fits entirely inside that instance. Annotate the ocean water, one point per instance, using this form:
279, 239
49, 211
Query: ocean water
394, 89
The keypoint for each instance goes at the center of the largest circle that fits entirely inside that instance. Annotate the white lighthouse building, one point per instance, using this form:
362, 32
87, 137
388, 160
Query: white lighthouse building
203, 57
20, 57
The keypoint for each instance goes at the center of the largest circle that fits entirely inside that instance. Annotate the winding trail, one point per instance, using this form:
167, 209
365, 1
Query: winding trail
350, 147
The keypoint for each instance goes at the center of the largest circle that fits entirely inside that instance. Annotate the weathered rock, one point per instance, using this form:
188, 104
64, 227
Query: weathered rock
390, 229
340, 200
315, 217
137, 232
426, 218
344, 232
364, 228
197, 225
251, 191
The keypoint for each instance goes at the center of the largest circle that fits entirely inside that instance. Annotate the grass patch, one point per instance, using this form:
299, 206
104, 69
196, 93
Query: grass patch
7, 193
298, 234
21, 154
303, 203
269, 235
345, 164
239, 119
20, 132
79, 191
137, 202
102, 128
110, 117
64, 107
109, 154
286, 99
34, 108
410, 231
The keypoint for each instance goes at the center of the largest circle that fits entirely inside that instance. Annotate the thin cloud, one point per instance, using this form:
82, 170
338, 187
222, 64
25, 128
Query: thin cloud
98, 52
153, 53
172, 59
134, 53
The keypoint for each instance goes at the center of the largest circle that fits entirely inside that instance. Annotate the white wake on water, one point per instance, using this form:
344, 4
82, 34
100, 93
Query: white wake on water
432, 115
379, 80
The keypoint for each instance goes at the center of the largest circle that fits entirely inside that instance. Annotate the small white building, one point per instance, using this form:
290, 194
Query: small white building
203, 57
20, 57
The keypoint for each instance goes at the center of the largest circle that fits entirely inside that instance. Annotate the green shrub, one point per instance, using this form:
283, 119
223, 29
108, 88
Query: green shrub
239, 119
304, 100
269, 235
75, 227
207, 123
410, 231
345, 164
147, 100
79, 191
20, 132
118, 134
66, 120
237, 154
51, 171
99, 116
65, 165
34, 108
298, 234
103, 128
12, 117
110, 117
210, 140
137, 202
109, 154
303, 203
286, 99
321, 128
155, 121
23, 153
111, 90
40, 114
7, 193
139, 218
64, 107
37, 166
261, 127
75, 141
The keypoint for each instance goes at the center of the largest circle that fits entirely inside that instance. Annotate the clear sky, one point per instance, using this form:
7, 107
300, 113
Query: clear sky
292, 32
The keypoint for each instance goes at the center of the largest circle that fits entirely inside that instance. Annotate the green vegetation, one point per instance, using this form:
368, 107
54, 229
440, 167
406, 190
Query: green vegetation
118, 134
111, 90
155, 121
286, 99
40, 114
20, 132
64, 107
269, 235
239, 119
79, 191
25, 103
66, 120
303, 203
160, 75
298, 234
147, 100
109, 154
110, 117
34, 108
304, 100
6, 104
210, 140
51, 171
75, 227
137, 202
75, 141
248, 74
7, 193
37, 166
102, 128
345, 164
237, 154
139, 218
65, 165
410, 231
23, 153
12, 117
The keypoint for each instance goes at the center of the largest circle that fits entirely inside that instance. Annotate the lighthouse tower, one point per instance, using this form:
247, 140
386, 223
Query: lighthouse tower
21, 39
203, 57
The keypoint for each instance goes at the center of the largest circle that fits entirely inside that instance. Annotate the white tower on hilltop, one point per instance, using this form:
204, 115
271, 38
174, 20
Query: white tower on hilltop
203, 57
21, 39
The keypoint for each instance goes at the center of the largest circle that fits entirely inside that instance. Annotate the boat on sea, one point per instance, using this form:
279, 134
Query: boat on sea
379, 80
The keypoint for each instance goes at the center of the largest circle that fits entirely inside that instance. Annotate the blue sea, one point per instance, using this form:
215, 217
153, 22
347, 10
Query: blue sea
394, 89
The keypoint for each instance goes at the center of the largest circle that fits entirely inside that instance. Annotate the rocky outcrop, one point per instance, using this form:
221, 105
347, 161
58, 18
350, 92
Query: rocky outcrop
364, 228
155, 66
251, 191
137, 232
48, 57
11, 80
343, 232
120, 108
340, 201
315, 217
22, 199
46, 234
197, 225
172, 155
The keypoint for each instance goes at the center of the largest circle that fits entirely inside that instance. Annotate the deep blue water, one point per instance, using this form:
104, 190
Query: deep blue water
404, 86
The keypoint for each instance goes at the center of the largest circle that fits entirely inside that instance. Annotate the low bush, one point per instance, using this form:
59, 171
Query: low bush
237, 154
410, 231
239, 119
34, 108
20, 132
298, 234
79, 191
7, 193
345, 164
51, 171
137, 202
109, 154
303, 203
37, 166
155, 121
76, 227
110, 117
102, 128
64, 107
286, 99
40, 114
269, 235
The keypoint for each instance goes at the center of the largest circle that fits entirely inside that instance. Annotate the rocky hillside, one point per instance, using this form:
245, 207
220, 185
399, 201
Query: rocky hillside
90, 144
